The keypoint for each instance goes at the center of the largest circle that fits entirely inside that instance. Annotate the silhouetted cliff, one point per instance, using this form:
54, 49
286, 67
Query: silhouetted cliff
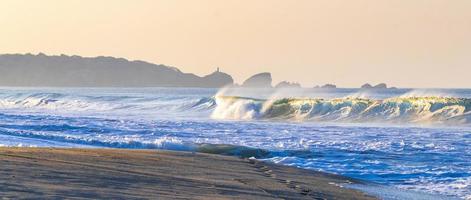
77, 71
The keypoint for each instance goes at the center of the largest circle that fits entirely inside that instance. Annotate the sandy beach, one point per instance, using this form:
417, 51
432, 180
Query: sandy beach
150, 174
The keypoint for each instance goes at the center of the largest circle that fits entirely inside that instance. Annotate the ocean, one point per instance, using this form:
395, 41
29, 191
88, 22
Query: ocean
408, 139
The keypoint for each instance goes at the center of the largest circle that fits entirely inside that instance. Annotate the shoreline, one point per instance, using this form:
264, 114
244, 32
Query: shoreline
148, 174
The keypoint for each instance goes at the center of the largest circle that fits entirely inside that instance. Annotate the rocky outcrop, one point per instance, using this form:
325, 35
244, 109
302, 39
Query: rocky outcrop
329, 86
261, 80
379, 86
366, 86
286, 84
77, 71
218, 79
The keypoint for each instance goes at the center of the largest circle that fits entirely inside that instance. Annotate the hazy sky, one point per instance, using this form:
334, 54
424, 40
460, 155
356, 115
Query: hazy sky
406, 43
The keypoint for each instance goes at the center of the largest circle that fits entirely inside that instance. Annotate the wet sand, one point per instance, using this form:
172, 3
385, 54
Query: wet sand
150, 174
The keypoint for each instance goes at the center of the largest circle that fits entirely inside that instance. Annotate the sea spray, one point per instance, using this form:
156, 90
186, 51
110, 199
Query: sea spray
423, 156
395, 110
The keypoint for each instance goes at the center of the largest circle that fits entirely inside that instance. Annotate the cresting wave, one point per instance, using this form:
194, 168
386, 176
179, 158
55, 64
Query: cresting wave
434, 159
402, 109
395, 110
51, 101
67, 103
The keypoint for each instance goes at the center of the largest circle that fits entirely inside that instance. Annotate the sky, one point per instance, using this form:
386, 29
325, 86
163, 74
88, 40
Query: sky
405, 43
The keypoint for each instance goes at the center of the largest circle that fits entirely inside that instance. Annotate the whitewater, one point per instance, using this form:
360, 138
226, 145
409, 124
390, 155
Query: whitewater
406, 139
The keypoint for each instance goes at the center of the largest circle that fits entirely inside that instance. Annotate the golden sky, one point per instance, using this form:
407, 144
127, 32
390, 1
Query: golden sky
405, 43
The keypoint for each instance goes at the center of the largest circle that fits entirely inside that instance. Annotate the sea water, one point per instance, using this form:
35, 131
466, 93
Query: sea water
406, 139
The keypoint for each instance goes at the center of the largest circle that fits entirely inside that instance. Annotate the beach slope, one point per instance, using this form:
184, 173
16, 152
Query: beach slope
150, 174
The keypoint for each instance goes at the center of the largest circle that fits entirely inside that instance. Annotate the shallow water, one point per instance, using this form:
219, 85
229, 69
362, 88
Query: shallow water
432, 156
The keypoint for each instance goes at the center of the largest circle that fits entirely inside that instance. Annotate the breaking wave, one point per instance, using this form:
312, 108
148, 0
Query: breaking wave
395, 110
432, 159
60, 103
400, 109
52, 101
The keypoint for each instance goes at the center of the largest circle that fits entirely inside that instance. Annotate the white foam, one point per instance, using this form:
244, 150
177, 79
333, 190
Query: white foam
423, 110
460, 187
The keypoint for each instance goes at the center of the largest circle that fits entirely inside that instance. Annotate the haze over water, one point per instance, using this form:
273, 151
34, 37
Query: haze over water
417, 44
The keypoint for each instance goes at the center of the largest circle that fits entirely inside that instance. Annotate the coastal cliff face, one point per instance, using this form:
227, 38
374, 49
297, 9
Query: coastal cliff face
76, 71
261, 80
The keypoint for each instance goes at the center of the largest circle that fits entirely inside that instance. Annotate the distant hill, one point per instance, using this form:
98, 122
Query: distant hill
261, 80
77, 71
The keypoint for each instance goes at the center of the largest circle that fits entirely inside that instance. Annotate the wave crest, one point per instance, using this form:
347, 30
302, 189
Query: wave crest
399, 109
51, 101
